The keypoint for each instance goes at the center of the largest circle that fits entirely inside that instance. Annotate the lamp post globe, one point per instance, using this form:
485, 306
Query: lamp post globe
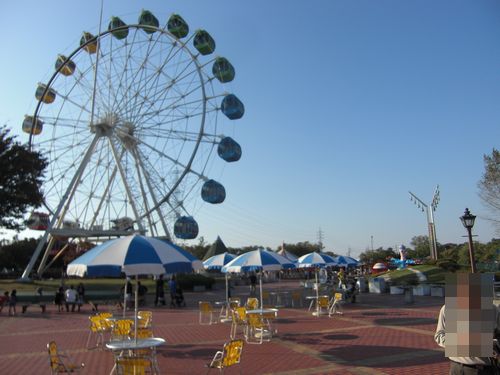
468, 222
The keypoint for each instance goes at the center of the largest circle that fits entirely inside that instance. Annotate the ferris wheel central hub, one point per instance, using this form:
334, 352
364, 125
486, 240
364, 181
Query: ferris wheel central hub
111, 125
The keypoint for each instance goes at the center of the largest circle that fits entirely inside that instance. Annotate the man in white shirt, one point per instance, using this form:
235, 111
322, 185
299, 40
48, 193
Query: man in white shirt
71, 297
473, 320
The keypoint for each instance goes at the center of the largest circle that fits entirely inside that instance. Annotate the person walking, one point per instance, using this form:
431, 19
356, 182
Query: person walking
160, 292
172, 286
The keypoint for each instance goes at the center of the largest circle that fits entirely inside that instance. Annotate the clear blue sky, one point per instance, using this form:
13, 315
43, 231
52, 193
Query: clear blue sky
349, 104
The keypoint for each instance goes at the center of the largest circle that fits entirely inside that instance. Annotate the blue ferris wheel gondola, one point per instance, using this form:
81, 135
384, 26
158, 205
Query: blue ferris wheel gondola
229, 149
232, 107
213, 192
186, 228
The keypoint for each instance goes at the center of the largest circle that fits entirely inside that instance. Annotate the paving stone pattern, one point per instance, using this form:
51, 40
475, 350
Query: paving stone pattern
378, 335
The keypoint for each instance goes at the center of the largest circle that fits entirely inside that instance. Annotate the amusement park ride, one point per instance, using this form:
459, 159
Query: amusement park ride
129, 122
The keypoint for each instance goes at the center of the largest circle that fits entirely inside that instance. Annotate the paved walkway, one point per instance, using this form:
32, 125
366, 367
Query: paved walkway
379, 334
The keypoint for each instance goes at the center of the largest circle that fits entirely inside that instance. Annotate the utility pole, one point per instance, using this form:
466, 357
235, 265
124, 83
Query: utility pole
372, 241
320, 239
430, 218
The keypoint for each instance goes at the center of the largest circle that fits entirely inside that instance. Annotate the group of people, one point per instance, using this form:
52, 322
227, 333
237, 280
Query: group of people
70, 297
176, 294
9, 300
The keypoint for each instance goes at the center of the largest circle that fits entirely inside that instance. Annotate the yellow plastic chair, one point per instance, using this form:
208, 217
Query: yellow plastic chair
206, 313
229, 356
59, 363
122, 329
97, 328
145, 319
335, 305
323, 304
239, 319
258, 329
132, 365
142, 333
252, 303
234, 302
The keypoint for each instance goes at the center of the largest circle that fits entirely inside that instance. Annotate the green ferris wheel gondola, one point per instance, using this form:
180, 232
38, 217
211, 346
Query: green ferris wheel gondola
203, 42
177, 26
223, 70
149, 23
118, 28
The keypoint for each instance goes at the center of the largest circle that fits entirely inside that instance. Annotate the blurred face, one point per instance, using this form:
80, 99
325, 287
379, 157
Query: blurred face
470, 316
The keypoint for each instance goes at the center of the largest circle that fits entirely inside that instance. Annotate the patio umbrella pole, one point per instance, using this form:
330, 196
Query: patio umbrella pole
261, 300
227, 290
317, 292
125, 297
136, 305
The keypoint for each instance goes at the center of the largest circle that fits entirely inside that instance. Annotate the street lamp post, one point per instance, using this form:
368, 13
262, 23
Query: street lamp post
430, 218
468, 222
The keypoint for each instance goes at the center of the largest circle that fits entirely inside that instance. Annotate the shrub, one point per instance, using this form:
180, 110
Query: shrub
188, 281
448, 265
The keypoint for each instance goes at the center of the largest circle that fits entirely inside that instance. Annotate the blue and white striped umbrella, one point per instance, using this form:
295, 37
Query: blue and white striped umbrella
133, 255
316, 259
216, 262
346, 261
258, 260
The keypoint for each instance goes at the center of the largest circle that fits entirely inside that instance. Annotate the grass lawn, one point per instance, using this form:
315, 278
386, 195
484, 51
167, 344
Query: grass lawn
92, 286
434, 275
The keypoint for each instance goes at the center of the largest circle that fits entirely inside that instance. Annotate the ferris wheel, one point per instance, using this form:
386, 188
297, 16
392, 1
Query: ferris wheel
130, 122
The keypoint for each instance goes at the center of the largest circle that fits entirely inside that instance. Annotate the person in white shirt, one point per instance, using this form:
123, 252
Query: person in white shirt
71, 297
473, 322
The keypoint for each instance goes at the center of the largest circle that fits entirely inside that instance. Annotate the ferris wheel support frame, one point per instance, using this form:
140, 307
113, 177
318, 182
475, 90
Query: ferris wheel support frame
55, 218
153, 195
125, 184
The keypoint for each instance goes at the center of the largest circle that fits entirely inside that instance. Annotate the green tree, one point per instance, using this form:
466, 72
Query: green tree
421, 248
489, 186
377, 255
21, 173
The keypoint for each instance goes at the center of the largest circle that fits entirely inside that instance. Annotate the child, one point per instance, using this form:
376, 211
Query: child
12, 302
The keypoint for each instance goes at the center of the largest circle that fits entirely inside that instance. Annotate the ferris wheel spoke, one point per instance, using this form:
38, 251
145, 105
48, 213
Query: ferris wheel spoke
147, 82
126, 184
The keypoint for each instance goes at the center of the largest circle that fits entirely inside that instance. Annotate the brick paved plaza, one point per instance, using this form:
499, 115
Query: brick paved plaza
379, 334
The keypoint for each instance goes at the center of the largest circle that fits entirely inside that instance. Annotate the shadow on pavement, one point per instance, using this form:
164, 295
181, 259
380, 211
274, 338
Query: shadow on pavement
405, 321
384, 356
